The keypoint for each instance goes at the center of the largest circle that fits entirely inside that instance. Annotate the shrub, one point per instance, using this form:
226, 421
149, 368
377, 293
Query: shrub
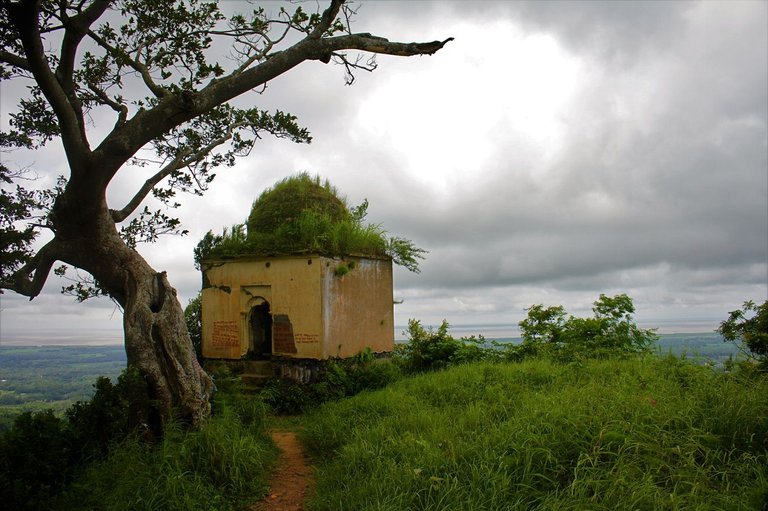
748, 327
115, 412
430, 349
222, 466
36, 460
339, 378
41, 453
611, 332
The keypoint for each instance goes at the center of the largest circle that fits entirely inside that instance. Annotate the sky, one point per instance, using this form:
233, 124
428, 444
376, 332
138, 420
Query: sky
552, 152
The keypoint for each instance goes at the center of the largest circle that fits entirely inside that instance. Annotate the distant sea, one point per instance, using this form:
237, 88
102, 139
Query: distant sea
58, 337
497, 331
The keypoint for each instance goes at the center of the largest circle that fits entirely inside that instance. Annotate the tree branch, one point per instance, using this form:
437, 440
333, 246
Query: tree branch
121, 109
24, 15
327, 19
374, 44
75, 29
184, 159
14, 60
134, 64
40, 264
173, 110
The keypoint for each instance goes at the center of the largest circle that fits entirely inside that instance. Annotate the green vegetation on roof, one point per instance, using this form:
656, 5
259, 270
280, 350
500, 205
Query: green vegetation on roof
302, 214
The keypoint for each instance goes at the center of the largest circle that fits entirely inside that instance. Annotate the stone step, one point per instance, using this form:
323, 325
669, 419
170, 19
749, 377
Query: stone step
258, 367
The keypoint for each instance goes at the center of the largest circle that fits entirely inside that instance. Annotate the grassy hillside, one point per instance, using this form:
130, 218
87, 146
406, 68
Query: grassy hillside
652, 433
631, 432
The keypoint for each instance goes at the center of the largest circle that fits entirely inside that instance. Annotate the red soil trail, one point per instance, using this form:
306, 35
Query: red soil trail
293, 479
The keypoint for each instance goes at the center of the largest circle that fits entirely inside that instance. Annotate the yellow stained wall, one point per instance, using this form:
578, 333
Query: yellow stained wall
317, 313
291, 285
358, 310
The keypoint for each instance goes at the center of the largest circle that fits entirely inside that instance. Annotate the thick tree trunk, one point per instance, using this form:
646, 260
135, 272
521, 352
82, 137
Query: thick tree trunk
156, 337
158, 344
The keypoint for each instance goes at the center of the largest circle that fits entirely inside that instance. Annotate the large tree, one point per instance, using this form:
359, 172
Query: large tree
154, 65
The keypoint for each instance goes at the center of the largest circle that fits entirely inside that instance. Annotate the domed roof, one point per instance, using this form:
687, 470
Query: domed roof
288, 199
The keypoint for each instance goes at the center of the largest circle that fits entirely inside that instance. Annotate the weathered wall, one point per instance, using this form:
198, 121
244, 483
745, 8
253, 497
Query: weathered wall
316, 311
291, 285
358, 310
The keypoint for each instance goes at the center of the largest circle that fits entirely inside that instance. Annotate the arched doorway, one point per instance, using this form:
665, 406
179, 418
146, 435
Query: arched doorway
260, 326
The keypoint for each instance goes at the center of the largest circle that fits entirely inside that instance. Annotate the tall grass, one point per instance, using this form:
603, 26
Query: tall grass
643, 433
223, 466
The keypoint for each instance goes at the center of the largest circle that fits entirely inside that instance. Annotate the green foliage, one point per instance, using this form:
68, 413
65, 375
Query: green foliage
35, 460
224, 465
22, 211
612, 331
291, 196
404, 253
41, 453
543, 325
231, 395
98, 457
430, 349
193, 317
302, 214
115, 412
622, 433
749, 327
340, 378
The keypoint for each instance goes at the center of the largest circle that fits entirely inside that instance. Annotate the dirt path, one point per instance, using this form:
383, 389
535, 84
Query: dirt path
292, 481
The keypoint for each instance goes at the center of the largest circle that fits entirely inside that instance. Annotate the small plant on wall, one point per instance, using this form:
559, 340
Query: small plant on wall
344, 268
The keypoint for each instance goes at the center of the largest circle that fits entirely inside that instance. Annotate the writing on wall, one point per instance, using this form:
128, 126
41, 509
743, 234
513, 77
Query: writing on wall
226, 334
306, 338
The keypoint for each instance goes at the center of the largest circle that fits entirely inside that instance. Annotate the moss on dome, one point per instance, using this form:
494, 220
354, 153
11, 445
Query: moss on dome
288, 199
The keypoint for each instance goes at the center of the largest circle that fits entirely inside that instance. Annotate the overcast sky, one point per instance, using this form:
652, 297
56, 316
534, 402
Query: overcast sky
552, 152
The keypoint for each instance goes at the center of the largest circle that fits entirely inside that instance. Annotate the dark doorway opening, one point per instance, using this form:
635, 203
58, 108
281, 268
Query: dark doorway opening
260, 322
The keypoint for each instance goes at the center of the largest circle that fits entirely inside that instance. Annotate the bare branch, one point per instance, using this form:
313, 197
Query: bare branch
174, 110
133, 63
158, 91
374, 44
260, 53
121, 109
359, 64
121, 214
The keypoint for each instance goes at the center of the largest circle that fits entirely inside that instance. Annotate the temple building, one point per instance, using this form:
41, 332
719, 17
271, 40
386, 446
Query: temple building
296, 307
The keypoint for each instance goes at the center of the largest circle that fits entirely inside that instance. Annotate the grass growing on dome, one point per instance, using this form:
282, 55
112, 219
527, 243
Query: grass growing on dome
302, 214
